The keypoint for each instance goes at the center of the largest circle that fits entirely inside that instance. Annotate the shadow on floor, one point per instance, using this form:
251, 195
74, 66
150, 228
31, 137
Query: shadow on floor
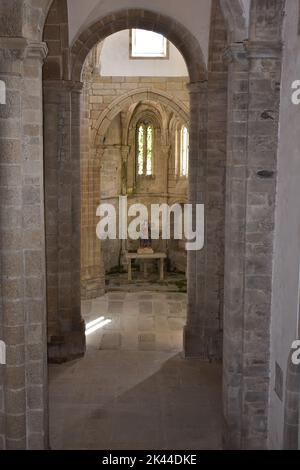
128, 400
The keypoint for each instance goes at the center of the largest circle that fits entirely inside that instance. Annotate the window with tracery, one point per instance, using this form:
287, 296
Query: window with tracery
145, 149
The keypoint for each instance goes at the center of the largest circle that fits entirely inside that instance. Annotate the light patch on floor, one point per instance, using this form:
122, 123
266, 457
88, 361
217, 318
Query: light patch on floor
137, 321
133, 389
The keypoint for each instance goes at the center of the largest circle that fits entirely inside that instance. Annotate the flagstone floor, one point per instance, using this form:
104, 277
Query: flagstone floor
133, 389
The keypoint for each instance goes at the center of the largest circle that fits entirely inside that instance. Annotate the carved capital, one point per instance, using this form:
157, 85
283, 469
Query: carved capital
36, 50
264, 50
197, 87
64, 85
98, 155
14, 51
125, 152
236, 53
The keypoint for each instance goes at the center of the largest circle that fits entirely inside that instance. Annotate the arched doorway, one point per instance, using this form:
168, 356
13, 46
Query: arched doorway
67, 101
65, 96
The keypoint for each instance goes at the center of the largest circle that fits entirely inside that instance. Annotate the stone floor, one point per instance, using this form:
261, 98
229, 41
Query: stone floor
173, 282
133, 389
144, 321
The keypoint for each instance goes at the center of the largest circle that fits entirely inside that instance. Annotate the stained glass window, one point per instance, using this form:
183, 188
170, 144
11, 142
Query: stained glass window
149, 150
145, 149
141, 139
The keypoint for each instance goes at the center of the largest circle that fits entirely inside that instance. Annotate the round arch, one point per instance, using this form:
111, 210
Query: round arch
181, 37
236, 14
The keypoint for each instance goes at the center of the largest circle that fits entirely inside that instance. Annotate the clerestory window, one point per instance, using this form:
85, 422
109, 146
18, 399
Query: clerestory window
148, 45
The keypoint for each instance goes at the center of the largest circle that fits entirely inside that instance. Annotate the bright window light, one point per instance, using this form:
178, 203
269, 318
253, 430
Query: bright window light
184, 152
145, 44
97, 327
94, 322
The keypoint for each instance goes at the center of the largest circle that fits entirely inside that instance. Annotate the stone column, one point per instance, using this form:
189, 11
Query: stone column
254, 83
196, 333
264, 99
236, 201
62, 181
125, 149
93, 275
22, 247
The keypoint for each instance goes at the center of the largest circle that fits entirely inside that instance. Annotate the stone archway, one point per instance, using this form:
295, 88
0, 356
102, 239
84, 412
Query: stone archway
191, 51
66, 95
176, 33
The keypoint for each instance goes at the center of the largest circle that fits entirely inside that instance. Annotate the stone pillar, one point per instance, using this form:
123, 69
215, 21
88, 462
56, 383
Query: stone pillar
254, 84
66, 336
263, 117
196, 332
236, 201
93, 275
22, 247
125, 154
125, 149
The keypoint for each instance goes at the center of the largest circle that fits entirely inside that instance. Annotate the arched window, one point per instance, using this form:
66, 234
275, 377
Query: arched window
145, 149
184, 151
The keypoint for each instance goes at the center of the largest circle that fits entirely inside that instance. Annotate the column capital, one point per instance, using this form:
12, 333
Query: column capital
13, 44
264, 49
36, 50
20, 48
236, 52
67, 85
98, 154
125, 149
197, 87
14, 51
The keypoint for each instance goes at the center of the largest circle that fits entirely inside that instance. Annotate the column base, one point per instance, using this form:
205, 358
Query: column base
231, 436
92, 288
67, 347
202, 343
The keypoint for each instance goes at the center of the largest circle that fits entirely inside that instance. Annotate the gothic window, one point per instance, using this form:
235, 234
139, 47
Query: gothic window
182, 151
145, 149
